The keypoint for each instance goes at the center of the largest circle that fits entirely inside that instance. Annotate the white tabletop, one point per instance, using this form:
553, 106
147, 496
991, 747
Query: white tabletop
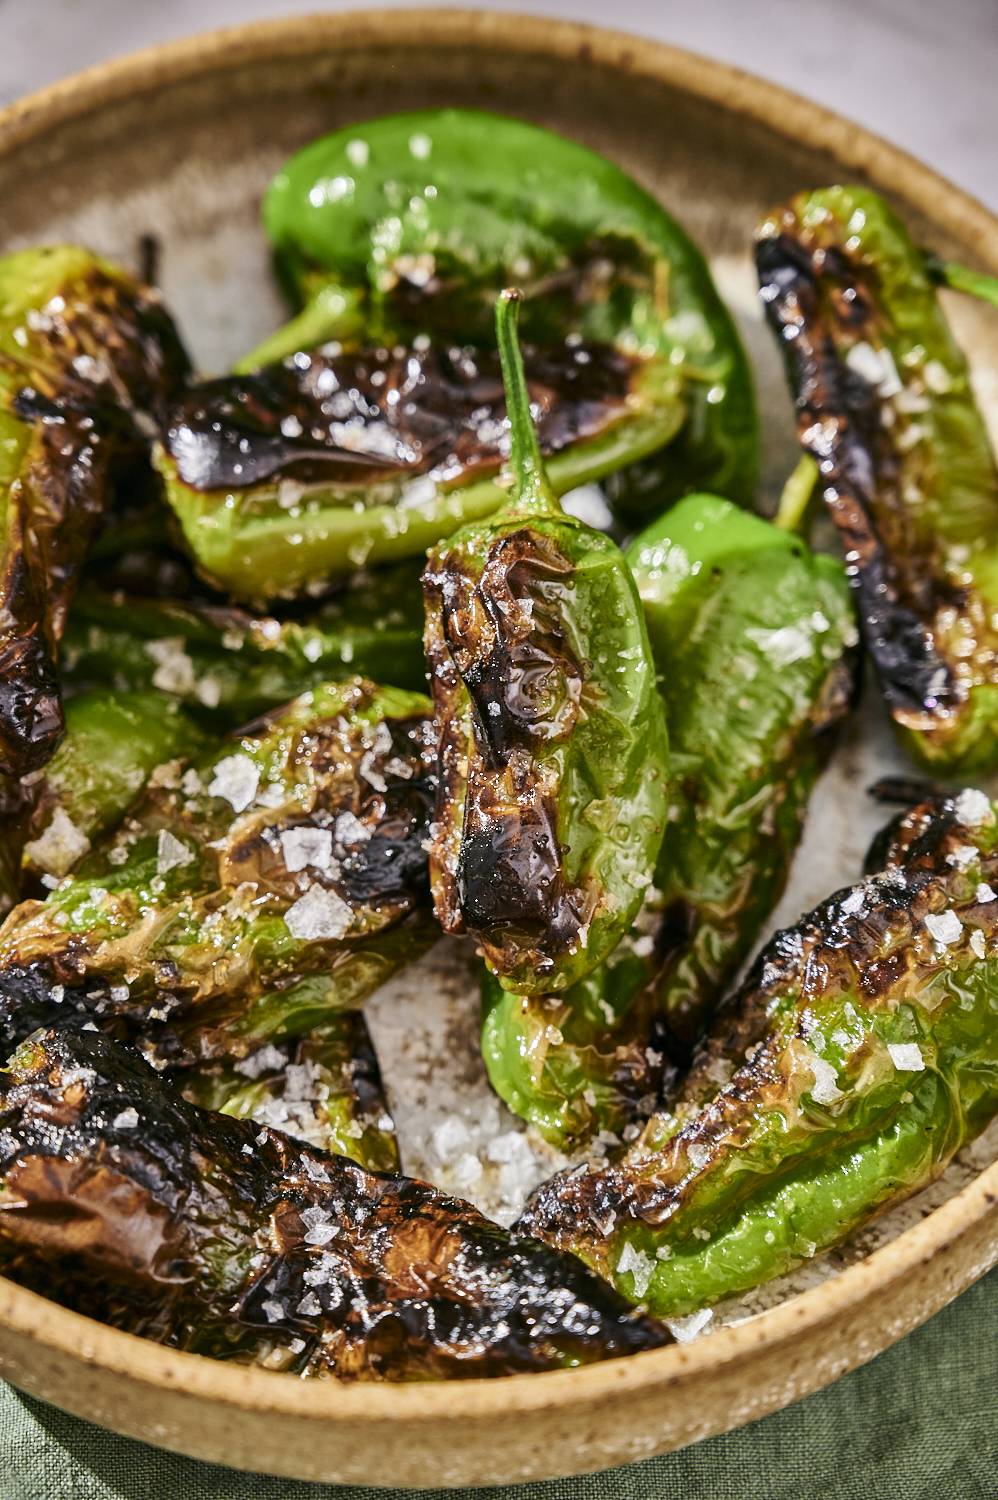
923, 73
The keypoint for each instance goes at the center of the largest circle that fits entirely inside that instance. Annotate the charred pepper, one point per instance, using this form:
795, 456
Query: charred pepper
857, 1059
885, 407
208, 1234
280, 878
752, 636
85, 355
552, 746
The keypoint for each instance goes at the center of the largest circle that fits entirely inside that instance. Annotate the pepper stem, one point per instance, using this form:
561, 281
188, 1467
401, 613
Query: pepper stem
531, 490
796, 494
962, 279
331, 314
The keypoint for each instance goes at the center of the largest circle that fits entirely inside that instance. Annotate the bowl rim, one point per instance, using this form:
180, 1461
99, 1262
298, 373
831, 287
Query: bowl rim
966, 1213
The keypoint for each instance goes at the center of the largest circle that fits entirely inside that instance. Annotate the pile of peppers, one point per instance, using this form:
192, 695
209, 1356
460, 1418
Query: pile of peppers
311, 665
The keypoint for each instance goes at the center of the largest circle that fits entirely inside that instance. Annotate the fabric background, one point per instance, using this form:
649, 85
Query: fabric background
918, 1423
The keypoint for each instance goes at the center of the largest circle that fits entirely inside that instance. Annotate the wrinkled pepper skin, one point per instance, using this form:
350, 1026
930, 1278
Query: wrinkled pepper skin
859, 1056
113, 743
84, 352
304, 471
205, 925
884, 405
228, 666
392, 223
552, 746
324, 1089
752, 636
210, 1234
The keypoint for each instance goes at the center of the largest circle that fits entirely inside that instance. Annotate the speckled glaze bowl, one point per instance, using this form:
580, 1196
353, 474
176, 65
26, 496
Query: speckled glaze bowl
179, 142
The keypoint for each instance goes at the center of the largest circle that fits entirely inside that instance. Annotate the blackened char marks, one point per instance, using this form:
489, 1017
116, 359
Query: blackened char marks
384, 414
812, 294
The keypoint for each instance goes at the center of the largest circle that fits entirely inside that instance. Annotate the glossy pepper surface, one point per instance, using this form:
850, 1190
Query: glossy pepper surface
302, 472
857, 1059
227, 666
280, 878
885, 406
85, 352
210, 1234
324, 1089
752, 636
551, 737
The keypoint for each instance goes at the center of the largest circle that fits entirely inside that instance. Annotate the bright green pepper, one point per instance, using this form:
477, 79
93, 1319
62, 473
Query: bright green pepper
860, 1055
553, 757
85, 354
885, 407
751, 635
281, 878
113, 743
324, 1089
393, 225
228, 666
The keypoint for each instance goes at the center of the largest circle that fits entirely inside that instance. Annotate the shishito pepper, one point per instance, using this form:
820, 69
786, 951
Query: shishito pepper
280, 878
392, 225
885, 406
304, 471
85, 355
752, 637
227, 666
857, 1059
210, 1234
552, 744
324, 1089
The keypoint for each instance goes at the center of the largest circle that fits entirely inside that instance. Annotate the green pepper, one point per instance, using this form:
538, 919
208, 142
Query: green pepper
86, 354
308, 470
280, 878
391, 225
553, 757
860, 1055
211, 1234
885, 406
752, 638
113, 743
227, 666
324, 1089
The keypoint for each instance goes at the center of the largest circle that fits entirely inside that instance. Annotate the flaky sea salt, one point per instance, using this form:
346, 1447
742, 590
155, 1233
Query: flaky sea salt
640, 1266
944, 927
318, 915
350, 830
685, 1329
127, 1119
973, 808
825, 1089
906, 1057
273, 1310
977, 942
263, 1060
236, 779
59, 846
985, 893
302, 847
171, 853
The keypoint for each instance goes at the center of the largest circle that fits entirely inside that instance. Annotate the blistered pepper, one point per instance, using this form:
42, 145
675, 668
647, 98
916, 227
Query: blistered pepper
552, 744
278, 879
884, 405
86, 354
752, 636
214, 1235
857, 1059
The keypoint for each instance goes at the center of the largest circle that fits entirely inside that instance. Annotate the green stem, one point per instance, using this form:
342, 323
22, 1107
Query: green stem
962, 279
796, 494
332, 313
531, 490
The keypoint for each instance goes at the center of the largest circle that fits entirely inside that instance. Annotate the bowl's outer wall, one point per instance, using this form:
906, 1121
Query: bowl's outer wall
180, 143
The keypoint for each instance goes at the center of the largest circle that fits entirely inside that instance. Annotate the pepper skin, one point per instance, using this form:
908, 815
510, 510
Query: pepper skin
392, 225
884, 405
324, 1089
113, 743
303, 472
84, 352
553, 761
279, 879
860, 1055
752, 636
208, 1234
228, 666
